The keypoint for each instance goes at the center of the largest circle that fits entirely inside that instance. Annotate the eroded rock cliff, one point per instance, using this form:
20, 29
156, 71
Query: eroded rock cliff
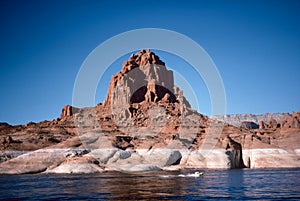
144, 124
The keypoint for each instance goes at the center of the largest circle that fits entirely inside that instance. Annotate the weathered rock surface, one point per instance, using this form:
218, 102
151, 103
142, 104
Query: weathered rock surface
237, 119
287, 122
249, 125
290, 121
146, 124
273, 157
77, 164
68, 111
33, 162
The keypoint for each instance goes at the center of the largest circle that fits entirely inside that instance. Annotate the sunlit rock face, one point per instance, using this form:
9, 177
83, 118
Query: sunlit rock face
142, 81
143, 77
146, 124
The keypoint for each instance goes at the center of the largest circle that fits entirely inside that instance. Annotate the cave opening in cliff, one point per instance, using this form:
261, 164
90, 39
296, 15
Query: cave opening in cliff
162, 91
152, 96
139, 95
156, 95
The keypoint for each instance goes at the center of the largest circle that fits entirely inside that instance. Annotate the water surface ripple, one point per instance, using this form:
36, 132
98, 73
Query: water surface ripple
246, 184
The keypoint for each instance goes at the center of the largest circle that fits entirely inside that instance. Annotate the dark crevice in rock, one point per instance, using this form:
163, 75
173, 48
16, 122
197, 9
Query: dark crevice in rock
235, 154
123, 142
177, 162
139, 95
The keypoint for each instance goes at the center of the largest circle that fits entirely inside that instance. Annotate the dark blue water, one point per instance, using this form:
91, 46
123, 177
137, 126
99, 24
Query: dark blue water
273, 184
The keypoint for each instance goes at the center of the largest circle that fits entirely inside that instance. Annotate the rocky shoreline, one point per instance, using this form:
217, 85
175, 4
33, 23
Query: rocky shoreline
146, 124
80, 161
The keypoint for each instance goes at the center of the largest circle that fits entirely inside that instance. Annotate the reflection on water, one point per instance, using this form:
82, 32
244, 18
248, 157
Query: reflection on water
214, 184
148, 186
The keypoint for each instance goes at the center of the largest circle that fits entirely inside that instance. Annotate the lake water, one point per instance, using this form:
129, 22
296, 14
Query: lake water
246, 184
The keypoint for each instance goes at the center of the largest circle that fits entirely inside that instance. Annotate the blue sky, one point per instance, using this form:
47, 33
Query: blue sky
254, 44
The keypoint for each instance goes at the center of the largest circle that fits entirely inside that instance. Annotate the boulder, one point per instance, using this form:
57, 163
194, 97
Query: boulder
77, 165
162, 157
34, 162
103, 155
216, 159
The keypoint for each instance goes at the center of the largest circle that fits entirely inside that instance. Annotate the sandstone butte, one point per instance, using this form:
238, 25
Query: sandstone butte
146, 124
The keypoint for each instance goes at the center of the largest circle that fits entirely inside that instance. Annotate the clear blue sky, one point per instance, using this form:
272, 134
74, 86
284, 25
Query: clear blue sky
254, 44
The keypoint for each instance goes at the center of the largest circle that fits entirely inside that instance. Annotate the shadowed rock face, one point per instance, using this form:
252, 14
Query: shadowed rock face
235, 153
249, 125
4, 124
145, 124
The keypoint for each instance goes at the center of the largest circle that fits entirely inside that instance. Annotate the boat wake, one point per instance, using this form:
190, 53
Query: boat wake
195, 174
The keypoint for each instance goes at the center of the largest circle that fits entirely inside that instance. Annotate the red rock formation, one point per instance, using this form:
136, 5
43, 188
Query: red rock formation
272, 123
68, 111
237, 119
262, 125
290, 121
143, 77
145, 123
143, 81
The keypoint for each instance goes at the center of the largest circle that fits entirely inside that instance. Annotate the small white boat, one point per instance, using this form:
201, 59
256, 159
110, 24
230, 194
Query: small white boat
195, 174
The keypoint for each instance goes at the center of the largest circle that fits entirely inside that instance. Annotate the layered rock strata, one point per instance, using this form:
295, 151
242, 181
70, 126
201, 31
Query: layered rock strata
145, 124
